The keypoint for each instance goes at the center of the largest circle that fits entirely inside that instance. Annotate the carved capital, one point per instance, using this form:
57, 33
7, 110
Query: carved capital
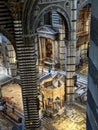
16, 9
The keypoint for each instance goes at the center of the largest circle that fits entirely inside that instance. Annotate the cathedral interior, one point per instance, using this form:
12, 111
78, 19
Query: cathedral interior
44, 64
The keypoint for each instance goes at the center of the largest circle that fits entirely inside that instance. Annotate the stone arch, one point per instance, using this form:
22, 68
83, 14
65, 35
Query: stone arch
29, 7
30, 24
28, 15
54, 7
65, 16
49, 8
9, 53
28, 71
8, 36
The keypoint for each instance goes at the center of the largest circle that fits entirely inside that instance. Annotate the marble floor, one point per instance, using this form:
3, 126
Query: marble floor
12, 92
73, 119
83, 69
5, 124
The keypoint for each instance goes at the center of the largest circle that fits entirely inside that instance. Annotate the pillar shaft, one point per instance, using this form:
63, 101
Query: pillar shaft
62, 49
28, 77
40, 50
53, 54
44, 48
71, 54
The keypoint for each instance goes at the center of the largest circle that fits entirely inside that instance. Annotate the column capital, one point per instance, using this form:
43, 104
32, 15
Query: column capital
15, 8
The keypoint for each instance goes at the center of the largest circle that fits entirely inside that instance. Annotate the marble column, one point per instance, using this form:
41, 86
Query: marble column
71, 55
56, 51
40, 50
62, 49
53, 54
28, 77
87, 15
44, 48
18, 33
25, 52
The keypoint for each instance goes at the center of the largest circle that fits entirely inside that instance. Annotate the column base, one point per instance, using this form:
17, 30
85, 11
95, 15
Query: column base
62, 67
70, 99
40, 62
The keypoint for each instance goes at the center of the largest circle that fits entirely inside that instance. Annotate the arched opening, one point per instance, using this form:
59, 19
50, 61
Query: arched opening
8, 65
7, 41
40, 27
83, 37
82, 46
52, 30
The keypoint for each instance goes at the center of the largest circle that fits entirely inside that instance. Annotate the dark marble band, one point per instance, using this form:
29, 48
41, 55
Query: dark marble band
93, 71
94, 30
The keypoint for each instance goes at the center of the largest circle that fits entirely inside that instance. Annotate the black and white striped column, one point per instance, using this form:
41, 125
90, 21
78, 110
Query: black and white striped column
71, 54
28, 76
62, 49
